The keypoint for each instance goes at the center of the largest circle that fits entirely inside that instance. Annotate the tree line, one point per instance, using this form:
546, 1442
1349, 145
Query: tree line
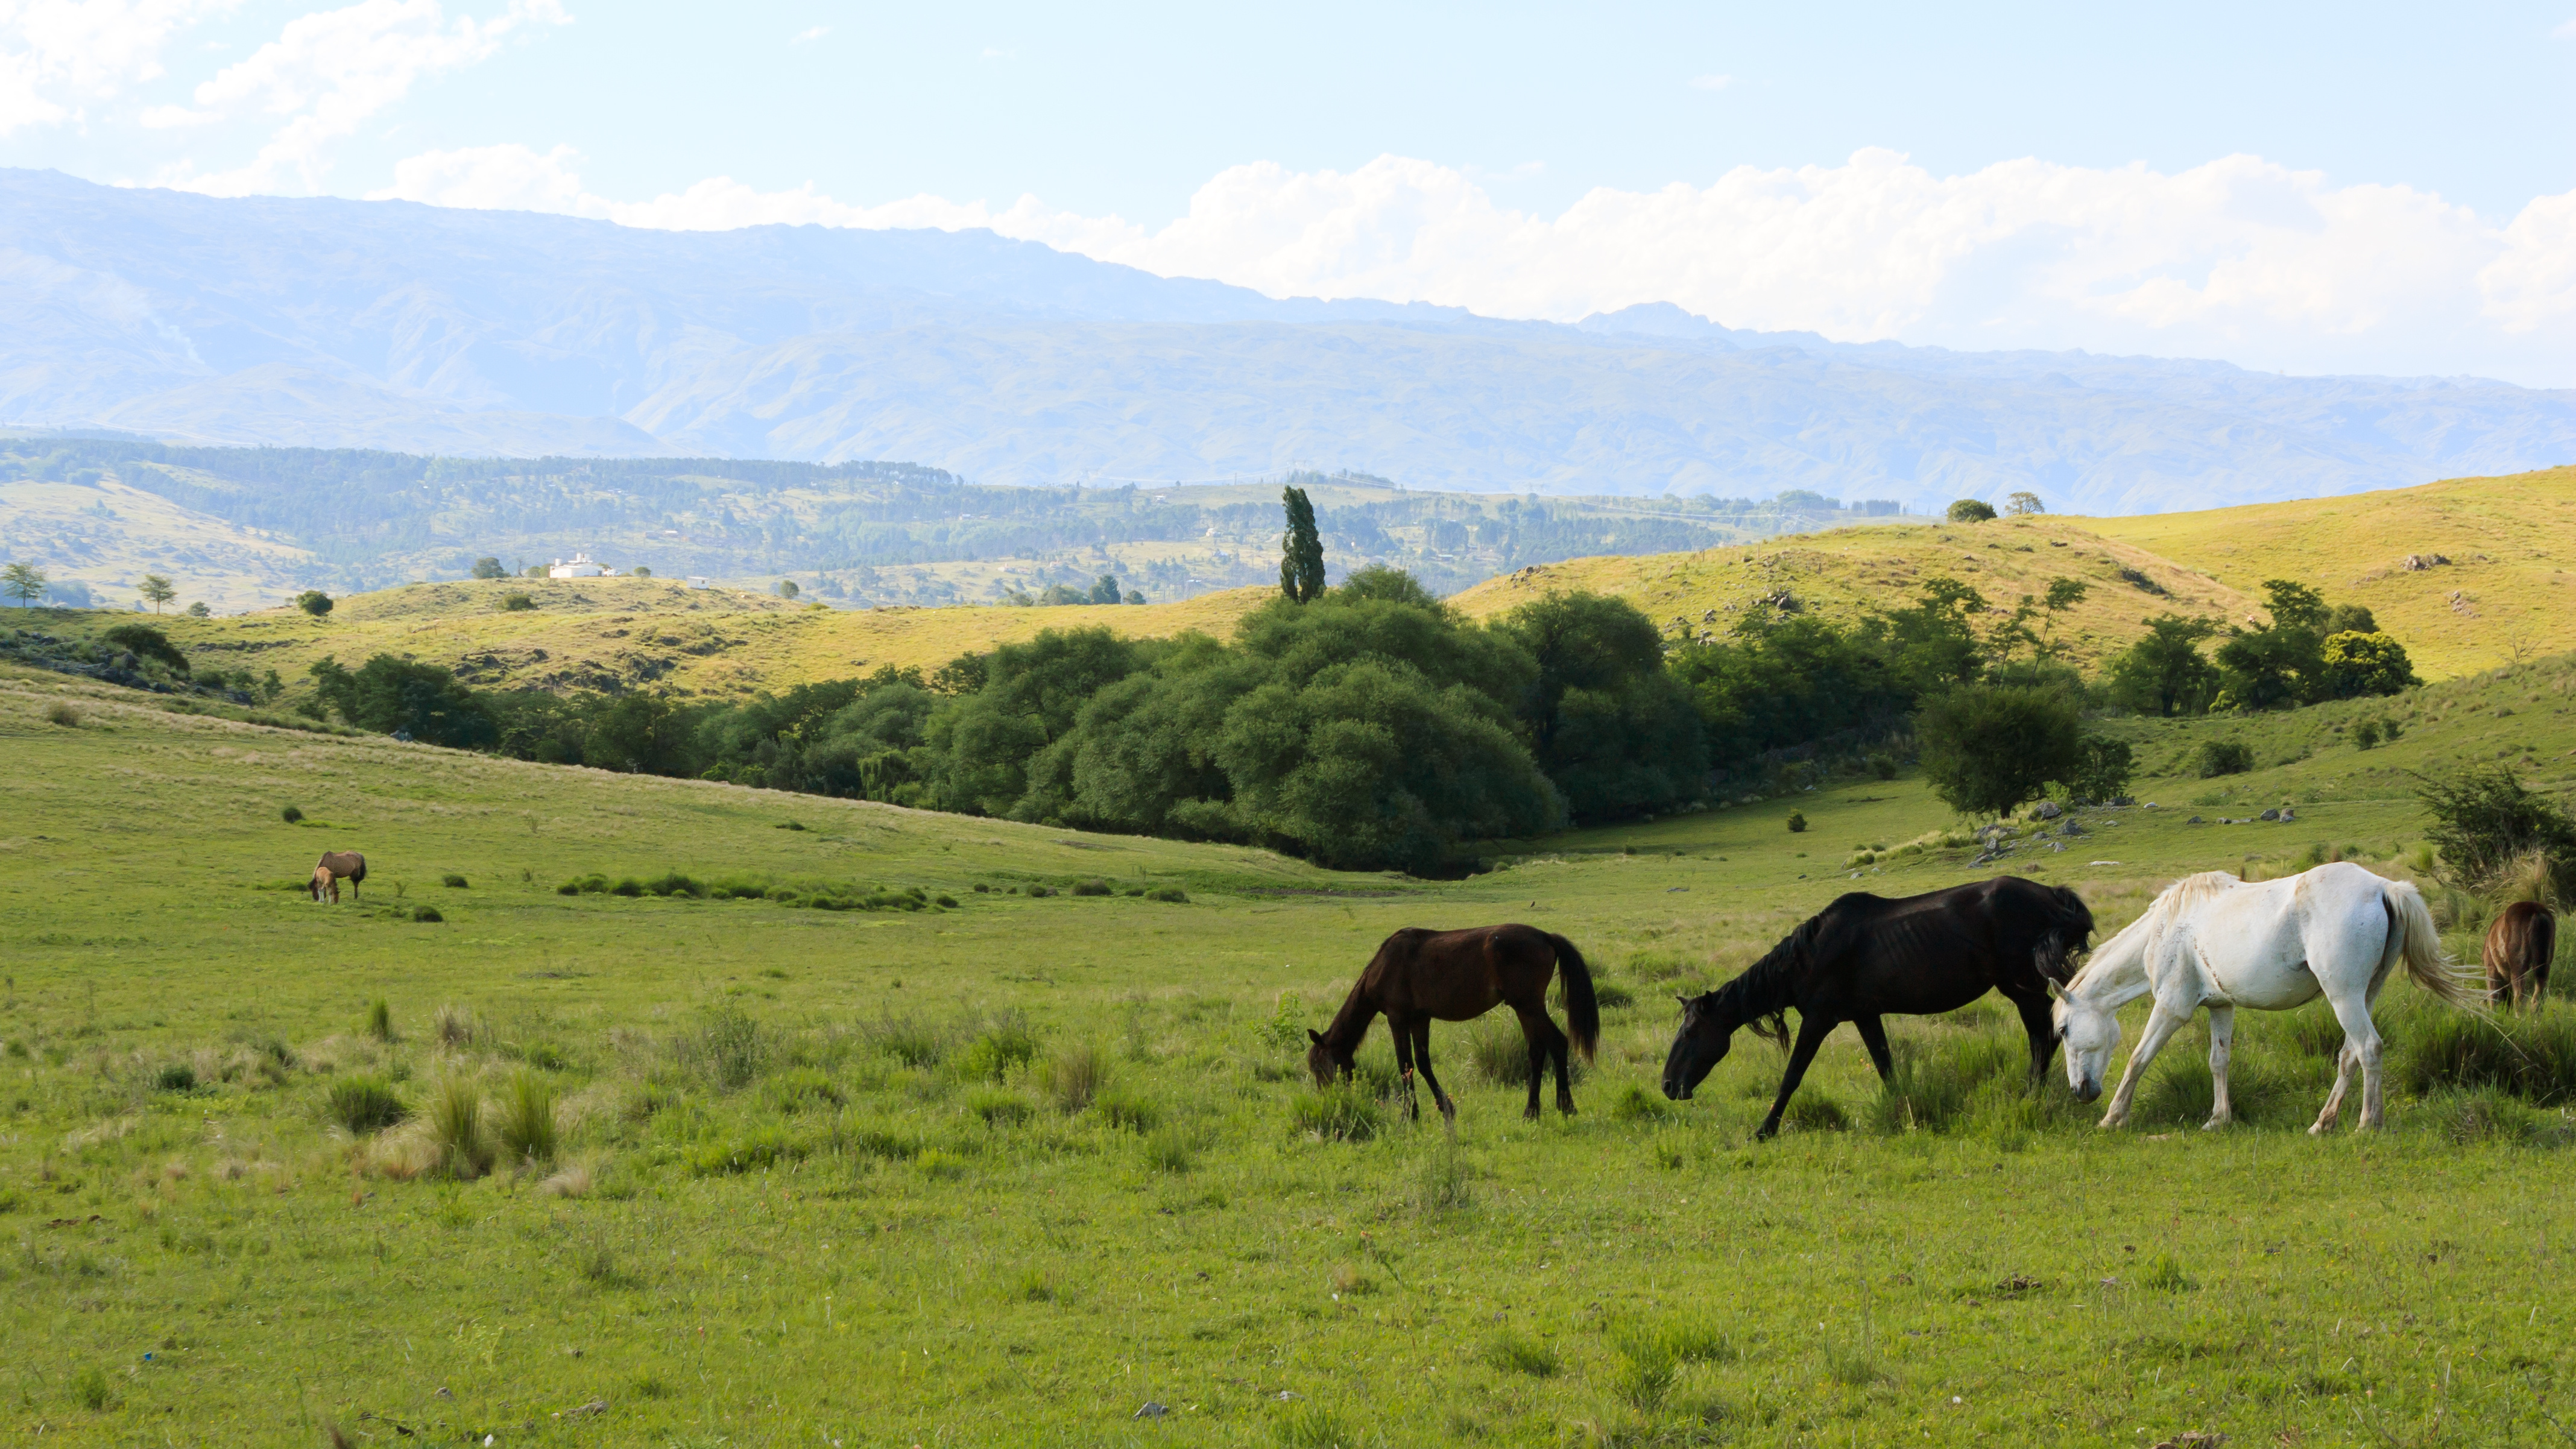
1369, 725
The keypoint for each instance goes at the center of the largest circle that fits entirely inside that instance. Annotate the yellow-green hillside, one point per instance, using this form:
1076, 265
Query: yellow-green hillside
2504, 592
628, 633
1854, 571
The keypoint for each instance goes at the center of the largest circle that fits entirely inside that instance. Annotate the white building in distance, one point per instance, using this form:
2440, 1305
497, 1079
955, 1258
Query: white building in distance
579, 566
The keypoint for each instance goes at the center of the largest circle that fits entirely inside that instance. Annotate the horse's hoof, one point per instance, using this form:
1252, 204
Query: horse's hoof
1530, 1116
2214, 1123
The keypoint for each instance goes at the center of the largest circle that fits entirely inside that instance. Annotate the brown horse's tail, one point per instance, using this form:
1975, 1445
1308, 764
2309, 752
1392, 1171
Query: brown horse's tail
1582, 1012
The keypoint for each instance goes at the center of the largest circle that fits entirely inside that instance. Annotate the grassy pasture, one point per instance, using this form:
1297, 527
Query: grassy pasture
1008, 1172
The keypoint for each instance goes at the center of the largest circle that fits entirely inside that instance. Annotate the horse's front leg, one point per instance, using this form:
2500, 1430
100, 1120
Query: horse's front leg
1812, 1031
1422, 1059
2041, 1028
2162, 1023
2222, 1045
1401, 1028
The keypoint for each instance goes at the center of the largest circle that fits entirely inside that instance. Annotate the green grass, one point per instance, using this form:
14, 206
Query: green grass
1004, 1172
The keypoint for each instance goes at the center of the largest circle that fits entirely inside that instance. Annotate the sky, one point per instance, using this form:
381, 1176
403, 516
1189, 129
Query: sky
2307, 188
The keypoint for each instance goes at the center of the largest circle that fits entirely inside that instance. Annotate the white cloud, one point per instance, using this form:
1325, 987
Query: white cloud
56, 55
808, 37
2238, 258
2566, 31
327, 72
1711, 82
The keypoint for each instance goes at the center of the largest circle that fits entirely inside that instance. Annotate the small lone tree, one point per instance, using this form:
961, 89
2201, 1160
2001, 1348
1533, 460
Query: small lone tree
314, 602
156, 591
1301, 549
2023, 504
489, 568
23, 582
201, 610
1988, 748
1105, 589
1971, 510
787, 588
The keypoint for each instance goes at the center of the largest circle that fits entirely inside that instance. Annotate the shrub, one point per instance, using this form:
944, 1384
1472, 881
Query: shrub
1518, 1353
1040, 891
364, 1104
1797, 823
1075, 1075
947, 901
2484, 818
2365, 735
630, 888
1173, 894
456, 1129
60, 712
380, 1020
1882, 765
517, 603
1338, 1114
176, 1077
290, 815
452, 881
526, 1128
1091, 888
1970, 510
2102, 769
2224, 757
672, 883
427, 915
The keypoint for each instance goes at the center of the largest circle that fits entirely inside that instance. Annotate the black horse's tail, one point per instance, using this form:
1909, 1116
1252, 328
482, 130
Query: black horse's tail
1582, 1012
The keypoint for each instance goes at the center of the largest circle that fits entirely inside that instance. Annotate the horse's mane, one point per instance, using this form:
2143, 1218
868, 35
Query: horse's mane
1759, 996
2176, 899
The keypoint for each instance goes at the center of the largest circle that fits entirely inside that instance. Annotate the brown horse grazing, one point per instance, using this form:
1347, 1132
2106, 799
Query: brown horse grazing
2519, 946
1419, 977
335, 867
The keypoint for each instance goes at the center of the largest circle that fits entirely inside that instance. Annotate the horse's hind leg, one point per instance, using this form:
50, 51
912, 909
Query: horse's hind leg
1873, 1035
1534, 1031
2222, 1045
1422, 1060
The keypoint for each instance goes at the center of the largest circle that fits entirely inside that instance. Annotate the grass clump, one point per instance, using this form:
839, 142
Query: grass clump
455, 1027
765, 1148
290, 815
1091, 888
1442, 1182
426, 915
1517, 1353
1172, 894
380, 1020
1010, 1043
457, 1130
2531, 1055
1653, 1355
176, 1077
916, 1044
999, 1108
1635, 1104
1339, 1113
2164, 1274
2223, 757
1169, 1149
452, 881
728, 1048
1813, 1111
1130, 1111
1075, 1076
364, 1104
526, 1127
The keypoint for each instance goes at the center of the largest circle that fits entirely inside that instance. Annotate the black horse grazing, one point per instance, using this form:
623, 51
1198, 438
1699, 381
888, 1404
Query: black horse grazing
1866, 956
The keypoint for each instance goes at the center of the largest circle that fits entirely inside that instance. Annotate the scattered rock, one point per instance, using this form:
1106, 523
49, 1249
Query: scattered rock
2195, 820
2046, 810
2271, 814
2418, 562
2071, 828
1151, 1410
2288, 815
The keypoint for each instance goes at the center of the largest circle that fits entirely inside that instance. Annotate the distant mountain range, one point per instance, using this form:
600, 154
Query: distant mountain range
330, 323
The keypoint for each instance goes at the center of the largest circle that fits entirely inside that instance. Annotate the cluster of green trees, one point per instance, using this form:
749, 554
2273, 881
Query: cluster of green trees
2308, 654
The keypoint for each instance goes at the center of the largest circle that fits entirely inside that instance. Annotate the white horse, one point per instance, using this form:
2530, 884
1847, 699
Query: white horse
2213, 940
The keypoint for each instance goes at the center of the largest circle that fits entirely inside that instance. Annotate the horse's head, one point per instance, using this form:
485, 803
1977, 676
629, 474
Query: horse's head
1328, 1063
2091, 1034
1698, 1046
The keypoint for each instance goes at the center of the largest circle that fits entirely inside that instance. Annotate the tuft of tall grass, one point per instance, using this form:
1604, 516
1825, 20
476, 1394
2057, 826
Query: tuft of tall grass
1933, 1087
1130, 1110
1339, 1113
2531, 1055
526, 1128
2181, 1091
176, 1077
457, 1130
1517, 1353
1652, 1355
1076, 1075
1010, 1042
61, 713
454, 1026
914, 1043
1442, 1181
1635, 1104
1498, 1053
364, 1104
2165, 1274
1170, 1149
728, 1048
999, 1108
1813, 1111
380, 1019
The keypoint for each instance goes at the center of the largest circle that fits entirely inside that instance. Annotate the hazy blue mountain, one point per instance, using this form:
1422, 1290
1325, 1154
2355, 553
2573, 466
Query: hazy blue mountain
334, 323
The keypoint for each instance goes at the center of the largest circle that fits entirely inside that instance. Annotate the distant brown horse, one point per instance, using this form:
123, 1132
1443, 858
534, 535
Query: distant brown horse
1419, 977
2519, 946
335, 867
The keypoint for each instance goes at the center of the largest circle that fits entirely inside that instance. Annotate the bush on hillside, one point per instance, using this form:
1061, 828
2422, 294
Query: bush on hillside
2488, 825
2223, 757
1970, 510
1986, 749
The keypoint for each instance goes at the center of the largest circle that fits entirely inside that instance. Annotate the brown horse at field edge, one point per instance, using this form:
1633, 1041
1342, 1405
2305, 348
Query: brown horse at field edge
1419, 977
2519, 947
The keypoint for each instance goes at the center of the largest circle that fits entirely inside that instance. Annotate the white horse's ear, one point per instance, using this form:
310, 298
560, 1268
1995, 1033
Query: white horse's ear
2055, 991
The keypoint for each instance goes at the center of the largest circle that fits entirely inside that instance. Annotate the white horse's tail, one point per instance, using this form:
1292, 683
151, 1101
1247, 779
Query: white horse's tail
2421, 943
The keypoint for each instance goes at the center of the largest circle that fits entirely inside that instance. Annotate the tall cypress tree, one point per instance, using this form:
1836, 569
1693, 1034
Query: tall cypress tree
1301, 548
